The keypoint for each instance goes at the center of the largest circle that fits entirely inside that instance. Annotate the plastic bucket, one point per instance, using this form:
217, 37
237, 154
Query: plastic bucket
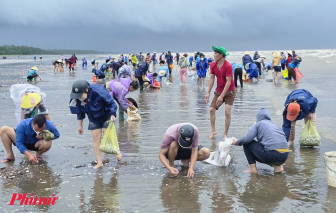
94, 79
330, 161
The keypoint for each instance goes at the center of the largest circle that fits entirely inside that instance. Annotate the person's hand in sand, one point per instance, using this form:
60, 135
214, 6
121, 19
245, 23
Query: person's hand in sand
173, 171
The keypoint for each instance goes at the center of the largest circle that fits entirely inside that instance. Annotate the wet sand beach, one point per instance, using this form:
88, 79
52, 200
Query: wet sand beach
140, 183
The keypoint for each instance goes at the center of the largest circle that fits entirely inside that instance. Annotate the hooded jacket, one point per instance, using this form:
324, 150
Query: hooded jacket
125, 73
307, 104
142, 70
202, 65
268, 134
253, 71
183, 62
101, 106
119, 90
72, 60
247, 59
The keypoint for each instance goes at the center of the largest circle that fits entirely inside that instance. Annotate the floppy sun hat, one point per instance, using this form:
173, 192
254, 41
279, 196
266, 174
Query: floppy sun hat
30, 100
162, 73
247, 53
220, 50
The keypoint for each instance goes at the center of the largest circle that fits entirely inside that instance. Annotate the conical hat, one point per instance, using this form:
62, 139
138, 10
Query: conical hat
30, 100
34, 68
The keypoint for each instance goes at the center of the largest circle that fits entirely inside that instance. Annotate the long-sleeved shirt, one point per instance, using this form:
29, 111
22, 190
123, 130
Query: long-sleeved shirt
267, 133
119, 90
307, 104
26, 135
142, 70
100, 107
125, 72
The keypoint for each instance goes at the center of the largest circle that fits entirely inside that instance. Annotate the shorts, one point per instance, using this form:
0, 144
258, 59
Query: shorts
27, 145
184, 154
93, 126
32, 76
277, 69
228, 99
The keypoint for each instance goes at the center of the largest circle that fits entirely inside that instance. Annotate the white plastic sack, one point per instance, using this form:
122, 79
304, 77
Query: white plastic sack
221, 157
150, 67
16, 92
190, 73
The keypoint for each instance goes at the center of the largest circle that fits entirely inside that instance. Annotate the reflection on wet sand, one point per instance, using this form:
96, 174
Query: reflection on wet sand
104, 197
263, 193
38, 179
180, 194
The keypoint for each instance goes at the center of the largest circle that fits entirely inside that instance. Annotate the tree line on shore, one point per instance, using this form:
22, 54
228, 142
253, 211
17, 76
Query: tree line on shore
25, 50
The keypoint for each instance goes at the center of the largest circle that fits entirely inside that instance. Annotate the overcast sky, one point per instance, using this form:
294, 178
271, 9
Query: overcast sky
126, 26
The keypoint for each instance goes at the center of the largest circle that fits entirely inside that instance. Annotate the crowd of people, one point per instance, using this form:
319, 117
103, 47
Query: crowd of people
130, 72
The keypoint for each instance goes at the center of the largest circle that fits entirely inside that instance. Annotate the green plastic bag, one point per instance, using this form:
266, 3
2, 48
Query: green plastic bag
309, 135
110, 143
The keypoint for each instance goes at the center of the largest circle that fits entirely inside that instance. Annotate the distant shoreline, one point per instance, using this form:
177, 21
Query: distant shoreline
12, 50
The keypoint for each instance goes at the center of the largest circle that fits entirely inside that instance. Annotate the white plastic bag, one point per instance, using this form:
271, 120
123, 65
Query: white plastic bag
16, 92
221, 157
190, 73
150, 69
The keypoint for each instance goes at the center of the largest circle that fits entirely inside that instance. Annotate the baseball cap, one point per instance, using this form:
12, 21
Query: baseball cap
186, 136
293, 111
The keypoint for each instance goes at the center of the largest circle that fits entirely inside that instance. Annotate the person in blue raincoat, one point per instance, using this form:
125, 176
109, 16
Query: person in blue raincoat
300, 104
252, 70
95, 101
99, 74
142, 72
247, 58
201, 66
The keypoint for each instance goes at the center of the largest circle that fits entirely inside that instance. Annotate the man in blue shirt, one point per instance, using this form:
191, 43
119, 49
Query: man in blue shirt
95, 101
29, 135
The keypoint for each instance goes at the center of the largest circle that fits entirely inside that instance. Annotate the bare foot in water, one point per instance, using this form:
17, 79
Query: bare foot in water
251, 171
212, 134
119, 156
278, 169
98, 165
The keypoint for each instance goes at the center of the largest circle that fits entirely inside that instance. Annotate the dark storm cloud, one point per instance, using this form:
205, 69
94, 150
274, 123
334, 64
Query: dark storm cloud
176, 25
